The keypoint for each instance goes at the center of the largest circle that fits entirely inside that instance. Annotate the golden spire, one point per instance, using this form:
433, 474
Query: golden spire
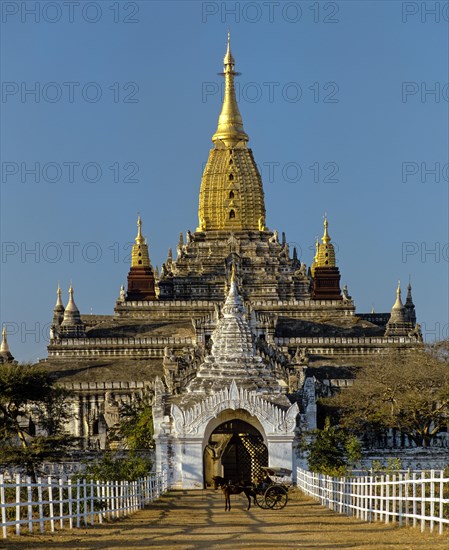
228, 58
140, 256
233, 273
231, 196
315, 258
4, 348
71, 306
139, 239
230, 124
325, 252
325, 238
398, 304
58, 310
317, 246
59, 299
71, 325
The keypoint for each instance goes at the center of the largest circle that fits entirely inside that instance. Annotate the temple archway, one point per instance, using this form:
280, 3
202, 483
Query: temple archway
236, 451
181, 440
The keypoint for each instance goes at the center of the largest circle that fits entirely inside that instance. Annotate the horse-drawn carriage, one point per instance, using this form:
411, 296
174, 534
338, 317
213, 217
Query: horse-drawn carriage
270, 493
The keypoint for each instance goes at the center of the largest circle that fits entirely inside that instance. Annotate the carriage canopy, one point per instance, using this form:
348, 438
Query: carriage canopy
275, 471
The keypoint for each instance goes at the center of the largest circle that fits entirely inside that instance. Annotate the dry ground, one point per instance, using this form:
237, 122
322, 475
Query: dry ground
189, 520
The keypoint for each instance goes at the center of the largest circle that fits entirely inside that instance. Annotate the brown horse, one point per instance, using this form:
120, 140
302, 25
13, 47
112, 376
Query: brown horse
233, 489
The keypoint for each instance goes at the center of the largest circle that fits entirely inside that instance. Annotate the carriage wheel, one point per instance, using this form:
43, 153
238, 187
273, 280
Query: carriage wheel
261, 501
276, 497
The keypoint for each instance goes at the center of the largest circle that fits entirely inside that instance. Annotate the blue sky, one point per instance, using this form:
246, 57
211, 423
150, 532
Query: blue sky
335, 96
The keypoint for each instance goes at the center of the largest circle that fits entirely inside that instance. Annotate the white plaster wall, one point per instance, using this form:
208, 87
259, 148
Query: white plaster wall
280, 451
192, 463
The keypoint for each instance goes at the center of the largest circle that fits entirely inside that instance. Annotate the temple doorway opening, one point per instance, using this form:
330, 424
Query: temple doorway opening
235, 451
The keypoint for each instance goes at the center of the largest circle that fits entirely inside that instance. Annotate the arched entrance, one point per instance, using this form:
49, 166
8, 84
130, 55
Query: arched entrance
236, 451
193, 451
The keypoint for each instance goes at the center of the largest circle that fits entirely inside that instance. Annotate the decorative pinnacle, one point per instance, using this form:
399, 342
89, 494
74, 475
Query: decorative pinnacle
398, 304
71, 311
139, 239
139, 253
71, 303
59, 300
4, 348
317, 247
230, 124
233, 304
228, 59
409, 300
325, 238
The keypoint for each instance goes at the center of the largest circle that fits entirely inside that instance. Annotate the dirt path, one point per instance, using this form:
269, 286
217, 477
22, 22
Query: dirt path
189, 520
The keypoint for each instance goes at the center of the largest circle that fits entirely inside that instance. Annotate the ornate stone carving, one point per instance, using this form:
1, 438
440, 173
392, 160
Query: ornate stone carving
111, 410
275, 419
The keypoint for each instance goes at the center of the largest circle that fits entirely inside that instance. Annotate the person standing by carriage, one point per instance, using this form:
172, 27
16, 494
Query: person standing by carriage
266, 481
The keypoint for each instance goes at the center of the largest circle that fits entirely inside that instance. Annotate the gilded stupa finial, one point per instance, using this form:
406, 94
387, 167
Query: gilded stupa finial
326, 238
400, 322
71, 306
230, 124
71, 325
228, 58
139, 255
59, 297
139, 239
233, 273
4, 345
325, 252
398, 303
315, 258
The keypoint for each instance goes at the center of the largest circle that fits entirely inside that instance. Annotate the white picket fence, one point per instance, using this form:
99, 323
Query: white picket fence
408, 498
65, 503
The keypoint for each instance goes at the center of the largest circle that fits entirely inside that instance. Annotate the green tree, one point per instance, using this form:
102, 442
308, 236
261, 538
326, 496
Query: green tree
407, 391
29, 398
391, 466
117, 467
135, 427
332, 451
133, 433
